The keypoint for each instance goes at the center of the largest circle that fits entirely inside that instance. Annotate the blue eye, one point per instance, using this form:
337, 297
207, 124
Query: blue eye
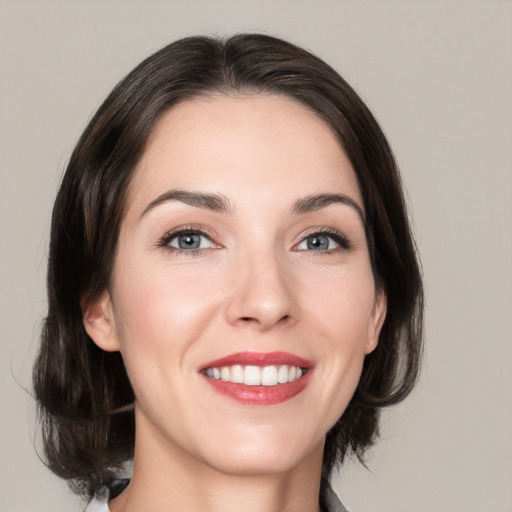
188, 240
323, 242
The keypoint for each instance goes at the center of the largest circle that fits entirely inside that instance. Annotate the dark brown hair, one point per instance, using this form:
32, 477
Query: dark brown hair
77, 385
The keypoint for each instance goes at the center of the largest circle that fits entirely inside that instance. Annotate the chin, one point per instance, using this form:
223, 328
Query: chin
255, 464
267, 455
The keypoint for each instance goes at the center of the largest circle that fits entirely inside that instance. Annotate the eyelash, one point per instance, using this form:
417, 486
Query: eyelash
335, 235
192, 230
339, 238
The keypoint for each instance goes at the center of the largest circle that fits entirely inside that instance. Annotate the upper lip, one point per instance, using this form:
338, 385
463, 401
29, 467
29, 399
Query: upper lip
258, 359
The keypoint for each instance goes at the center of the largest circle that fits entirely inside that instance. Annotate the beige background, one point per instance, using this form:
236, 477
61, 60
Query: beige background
438, 75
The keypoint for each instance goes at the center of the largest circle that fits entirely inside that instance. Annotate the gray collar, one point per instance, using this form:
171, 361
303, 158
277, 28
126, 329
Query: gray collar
329, 499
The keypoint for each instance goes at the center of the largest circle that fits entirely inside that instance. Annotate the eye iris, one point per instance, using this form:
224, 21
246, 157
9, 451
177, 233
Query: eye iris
318, 242
189, 241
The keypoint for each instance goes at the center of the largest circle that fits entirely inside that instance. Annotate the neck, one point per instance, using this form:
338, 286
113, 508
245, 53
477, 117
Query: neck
168, 479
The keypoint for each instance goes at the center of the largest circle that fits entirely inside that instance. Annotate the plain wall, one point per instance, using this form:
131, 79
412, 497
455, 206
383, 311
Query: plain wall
438, 76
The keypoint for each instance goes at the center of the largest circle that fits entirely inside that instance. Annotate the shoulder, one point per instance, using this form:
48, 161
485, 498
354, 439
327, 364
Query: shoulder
329, 499
99, 503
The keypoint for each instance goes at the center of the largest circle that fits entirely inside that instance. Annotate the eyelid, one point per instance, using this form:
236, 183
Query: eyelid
192, 228
174, 241
344, 244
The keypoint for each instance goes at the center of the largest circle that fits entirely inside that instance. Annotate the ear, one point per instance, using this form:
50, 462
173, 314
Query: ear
98, 318
376, 321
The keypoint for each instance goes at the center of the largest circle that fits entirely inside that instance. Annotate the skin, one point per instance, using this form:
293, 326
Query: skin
254, 285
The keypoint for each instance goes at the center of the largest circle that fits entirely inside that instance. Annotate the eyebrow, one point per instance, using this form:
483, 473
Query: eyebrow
221, 204
318, 201
213, 202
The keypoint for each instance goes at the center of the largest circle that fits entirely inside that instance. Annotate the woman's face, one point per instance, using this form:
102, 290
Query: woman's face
242, 299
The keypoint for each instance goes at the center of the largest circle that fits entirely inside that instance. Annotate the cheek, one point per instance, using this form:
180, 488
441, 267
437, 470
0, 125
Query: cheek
161, 308
159, 315
341, 310
343, 303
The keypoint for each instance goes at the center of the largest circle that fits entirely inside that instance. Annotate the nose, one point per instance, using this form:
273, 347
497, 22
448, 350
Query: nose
263, 294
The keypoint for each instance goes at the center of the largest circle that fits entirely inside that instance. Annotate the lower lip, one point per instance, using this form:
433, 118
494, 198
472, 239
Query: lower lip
260, 395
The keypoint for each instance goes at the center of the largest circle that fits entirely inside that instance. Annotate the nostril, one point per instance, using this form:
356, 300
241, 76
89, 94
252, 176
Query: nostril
249, 319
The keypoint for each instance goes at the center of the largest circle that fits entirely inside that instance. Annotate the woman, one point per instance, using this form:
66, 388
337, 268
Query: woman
233, 286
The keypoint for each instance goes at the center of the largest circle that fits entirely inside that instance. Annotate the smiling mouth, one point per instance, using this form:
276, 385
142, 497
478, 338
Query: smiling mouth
250, 375
253, 378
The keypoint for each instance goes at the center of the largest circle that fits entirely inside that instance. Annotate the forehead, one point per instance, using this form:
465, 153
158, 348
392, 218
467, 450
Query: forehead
228, 144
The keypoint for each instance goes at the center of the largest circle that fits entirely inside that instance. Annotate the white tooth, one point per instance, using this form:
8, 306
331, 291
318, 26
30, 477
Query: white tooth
225, 373
299, 373
237, 374
292, 374
282, 376
269, 376
209, 372
252, 376
216, 373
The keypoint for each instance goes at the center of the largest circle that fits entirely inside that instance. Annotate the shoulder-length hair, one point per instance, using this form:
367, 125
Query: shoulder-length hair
80, 388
